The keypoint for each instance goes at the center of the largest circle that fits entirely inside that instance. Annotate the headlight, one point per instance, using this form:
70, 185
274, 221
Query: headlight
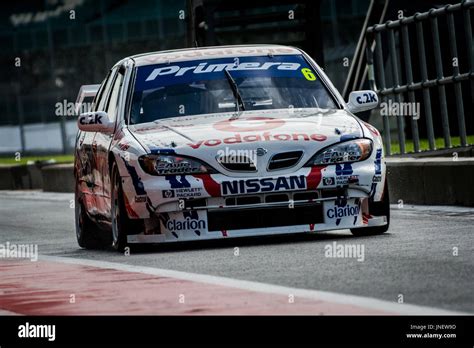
172, 165
347, 152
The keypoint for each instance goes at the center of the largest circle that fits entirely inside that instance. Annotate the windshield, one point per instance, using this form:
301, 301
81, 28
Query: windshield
225, 85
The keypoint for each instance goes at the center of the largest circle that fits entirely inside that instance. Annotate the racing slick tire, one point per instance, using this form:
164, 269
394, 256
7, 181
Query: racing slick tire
377, 209
88, 234
120, 221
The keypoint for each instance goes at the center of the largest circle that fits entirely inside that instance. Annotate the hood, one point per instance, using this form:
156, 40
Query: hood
266, 132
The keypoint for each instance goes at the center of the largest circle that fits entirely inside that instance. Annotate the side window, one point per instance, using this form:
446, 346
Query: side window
99, 94
114, 97
104, 91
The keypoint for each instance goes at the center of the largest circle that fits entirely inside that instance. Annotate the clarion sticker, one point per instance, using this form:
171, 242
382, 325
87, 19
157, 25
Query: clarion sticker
185, 225
236, 187
340, 212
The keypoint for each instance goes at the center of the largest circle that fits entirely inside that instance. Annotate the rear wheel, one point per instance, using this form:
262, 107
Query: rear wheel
381, 208
88, 234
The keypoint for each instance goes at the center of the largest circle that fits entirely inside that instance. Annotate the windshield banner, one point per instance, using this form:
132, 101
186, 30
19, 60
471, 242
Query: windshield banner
160, 75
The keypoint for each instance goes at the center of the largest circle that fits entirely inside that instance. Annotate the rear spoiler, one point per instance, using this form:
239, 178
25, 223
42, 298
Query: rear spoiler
84, 92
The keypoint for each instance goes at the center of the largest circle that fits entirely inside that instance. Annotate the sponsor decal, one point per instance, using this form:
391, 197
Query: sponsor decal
91, 119
212, 53
242, 125
378, 172
378, 162
188, 72
168, 193
266, 136
177, 181
367, 98
140, 199
206, 68
377, 178
329, 181
164, 168
343, 180
340, 212
344, 169
136, 180
186, 221
234, 187
186, 224
343, 209
189, 192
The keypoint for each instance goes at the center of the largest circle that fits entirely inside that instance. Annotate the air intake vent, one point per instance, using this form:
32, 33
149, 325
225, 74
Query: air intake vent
284, 160
237, 163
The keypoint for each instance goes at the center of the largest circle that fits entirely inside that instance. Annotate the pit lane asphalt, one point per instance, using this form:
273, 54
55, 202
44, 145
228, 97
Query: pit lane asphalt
415, 258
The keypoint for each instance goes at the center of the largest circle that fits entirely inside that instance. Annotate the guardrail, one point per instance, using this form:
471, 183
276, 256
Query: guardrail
397, 36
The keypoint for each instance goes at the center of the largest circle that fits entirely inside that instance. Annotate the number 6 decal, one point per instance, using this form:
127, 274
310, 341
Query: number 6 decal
308, 74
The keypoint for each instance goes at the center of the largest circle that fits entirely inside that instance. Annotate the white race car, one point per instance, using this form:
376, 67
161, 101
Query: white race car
224, 142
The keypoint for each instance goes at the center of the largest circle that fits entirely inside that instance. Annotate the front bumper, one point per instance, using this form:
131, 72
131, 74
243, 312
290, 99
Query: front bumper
199, 207
252, 220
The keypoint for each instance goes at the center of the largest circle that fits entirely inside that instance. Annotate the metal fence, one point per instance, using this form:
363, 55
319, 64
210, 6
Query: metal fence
396, 74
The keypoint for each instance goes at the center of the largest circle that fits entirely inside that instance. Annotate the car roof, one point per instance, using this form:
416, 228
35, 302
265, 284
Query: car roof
186, 54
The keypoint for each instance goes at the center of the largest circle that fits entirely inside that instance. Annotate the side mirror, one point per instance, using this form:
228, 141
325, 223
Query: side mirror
362, 101
95, 121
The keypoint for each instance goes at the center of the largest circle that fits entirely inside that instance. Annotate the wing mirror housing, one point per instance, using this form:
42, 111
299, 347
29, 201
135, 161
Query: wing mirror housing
362, 101
95, 121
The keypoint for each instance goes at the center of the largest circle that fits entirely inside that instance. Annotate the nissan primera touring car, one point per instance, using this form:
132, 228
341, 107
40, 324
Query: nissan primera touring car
224, 142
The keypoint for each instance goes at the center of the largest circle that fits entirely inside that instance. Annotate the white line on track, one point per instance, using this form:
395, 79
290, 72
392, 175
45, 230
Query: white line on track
364, 302
37, 195
4, 312
432, 208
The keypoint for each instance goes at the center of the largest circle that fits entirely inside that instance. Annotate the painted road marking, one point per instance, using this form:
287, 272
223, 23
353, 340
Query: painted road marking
100, 287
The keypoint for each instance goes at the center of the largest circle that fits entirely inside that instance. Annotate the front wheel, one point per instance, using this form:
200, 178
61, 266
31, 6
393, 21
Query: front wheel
120, 220
88, 234
381, 208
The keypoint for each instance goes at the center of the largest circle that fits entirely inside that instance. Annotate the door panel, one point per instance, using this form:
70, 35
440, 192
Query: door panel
90, 176
102, 142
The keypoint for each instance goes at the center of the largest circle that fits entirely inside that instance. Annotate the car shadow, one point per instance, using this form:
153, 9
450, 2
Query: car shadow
256, 241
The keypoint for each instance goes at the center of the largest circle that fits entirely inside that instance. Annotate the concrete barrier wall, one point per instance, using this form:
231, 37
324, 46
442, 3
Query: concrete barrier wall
437, 181
20, 177
58, 178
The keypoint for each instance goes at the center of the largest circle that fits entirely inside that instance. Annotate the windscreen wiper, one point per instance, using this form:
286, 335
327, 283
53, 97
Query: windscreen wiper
235, 90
